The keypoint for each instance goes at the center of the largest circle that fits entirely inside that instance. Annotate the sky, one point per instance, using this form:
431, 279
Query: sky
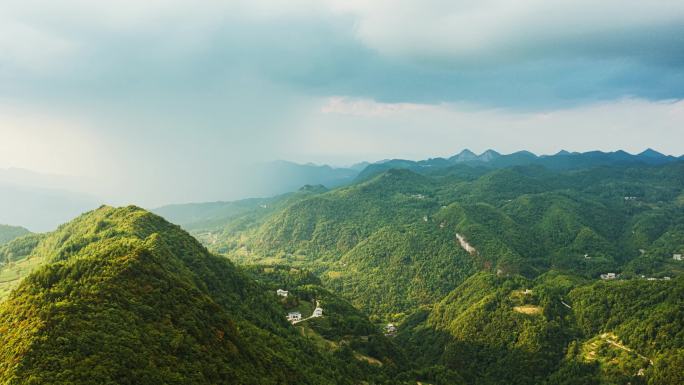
159, 101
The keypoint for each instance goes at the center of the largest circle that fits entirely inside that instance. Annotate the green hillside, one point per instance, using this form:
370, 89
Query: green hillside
490, 276
342, 324
555, 329
8, 233
390, 243
124, 297
16, 261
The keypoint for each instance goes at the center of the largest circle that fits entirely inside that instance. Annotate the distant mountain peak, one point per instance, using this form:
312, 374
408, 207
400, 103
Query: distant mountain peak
651, 153
464, 156
562, 153
488, 155
525, 153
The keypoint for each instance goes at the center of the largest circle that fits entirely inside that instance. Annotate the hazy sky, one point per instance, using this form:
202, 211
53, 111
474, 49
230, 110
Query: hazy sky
152, 98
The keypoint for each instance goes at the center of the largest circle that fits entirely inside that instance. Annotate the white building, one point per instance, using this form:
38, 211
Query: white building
318, 312
390, 329
608, 276
281, 293
677, 257
294, 316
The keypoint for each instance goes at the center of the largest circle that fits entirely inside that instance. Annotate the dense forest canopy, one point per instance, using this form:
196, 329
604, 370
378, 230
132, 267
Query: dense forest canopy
122, 296
536, 272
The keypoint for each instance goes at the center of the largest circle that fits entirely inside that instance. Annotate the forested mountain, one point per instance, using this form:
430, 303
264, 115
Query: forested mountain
211, 214
555, 329
122, 296
518, 220
490, 275
8, 233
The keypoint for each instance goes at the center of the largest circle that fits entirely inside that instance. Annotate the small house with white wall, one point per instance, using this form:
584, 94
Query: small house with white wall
608, 276
281, 293
318, 312
294, 316
390, 329
677, 257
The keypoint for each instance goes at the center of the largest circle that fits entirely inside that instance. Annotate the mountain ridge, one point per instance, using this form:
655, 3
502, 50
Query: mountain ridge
140, 301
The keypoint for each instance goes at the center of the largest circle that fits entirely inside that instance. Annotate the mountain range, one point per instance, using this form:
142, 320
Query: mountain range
483, 269
41, 202
563, 160
285, 177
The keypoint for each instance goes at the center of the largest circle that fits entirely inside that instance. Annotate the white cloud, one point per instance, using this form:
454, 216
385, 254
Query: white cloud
364, 107
467, 28
28, 47
462, 30
189, 88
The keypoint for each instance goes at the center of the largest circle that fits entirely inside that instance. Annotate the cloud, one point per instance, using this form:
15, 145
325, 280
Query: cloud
363, 107
26, 47
142, 94
474, 31
530, 53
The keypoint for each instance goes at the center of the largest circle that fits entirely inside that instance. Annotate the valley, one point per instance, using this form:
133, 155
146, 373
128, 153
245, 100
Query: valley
487, 276
262, 192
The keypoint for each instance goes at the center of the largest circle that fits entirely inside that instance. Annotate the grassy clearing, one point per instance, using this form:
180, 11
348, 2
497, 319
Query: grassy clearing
370, 360
615, 359
528, 309
12, 274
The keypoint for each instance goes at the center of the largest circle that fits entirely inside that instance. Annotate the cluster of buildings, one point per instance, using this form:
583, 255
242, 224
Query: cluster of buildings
295, 316
656, 279
608, 276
